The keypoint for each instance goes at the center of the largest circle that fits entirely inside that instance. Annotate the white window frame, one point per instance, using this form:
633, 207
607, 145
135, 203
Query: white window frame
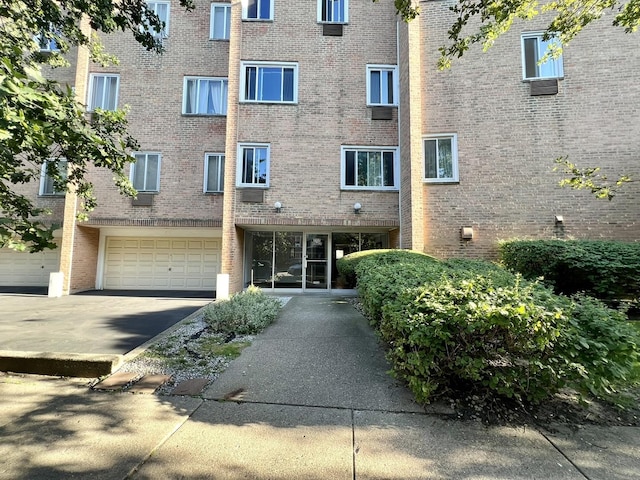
92, 81
395, 88
227, 21
220, 167
346, 11
454, 158
555, 63
153, 6
144, 188
368, 148
51, 45
245, 11
239, 171
45, 179
225, 90
261, 65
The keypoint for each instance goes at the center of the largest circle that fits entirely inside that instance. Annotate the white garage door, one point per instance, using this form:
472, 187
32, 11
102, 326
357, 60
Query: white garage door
23, 269
161, 263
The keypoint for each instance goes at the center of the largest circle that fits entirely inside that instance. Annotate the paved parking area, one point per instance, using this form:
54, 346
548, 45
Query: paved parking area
90, 323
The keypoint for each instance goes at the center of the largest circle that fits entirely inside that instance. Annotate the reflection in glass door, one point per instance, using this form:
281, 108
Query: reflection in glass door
316, 261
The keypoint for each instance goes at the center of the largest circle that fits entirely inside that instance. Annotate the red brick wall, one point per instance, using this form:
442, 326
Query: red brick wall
306, 138
508, 139
152, 86
85, 259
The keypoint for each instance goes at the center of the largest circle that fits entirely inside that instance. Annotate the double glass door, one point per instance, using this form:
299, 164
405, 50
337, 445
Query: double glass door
287, 260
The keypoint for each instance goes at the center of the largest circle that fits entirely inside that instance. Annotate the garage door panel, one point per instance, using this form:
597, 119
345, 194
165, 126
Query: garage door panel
24, 269
162, 263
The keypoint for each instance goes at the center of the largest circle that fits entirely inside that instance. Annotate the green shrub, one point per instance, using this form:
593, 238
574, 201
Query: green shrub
471, 334
347, 265
474, 326
607, 270
244, 313
383, 275
603, 348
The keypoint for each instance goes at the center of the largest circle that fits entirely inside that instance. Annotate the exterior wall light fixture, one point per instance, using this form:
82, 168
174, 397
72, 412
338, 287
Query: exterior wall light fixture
559, 219
357, 207
466, 233
278, 207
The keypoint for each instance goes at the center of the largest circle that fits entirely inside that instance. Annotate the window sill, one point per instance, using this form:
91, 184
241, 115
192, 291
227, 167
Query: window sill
51, 195
263, 20
369, 189
252, 187
191, 115
261, 102
218, 39
437, 181
529, 80
213, 194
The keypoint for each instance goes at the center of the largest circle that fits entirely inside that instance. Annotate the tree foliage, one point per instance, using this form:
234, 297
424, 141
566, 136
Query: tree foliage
42, 122
568, 18
589, 178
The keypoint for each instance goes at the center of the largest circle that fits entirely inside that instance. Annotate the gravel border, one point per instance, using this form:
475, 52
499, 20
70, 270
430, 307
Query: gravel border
174, 353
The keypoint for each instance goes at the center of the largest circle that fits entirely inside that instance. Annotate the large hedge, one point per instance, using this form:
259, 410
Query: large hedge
607, 270
475, 326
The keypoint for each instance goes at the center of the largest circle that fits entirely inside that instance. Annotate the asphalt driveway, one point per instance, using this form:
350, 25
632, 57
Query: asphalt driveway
90, 323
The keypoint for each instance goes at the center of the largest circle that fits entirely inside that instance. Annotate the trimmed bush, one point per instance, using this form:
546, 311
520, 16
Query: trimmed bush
607, 270
384, 273
473, 335
244, 313
473, 326
603, 348
347, 265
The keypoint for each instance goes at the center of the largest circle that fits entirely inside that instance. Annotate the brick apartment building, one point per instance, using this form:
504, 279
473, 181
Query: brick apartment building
278, 135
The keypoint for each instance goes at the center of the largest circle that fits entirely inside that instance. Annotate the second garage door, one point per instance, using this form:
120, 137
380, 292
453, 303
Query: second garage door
161, 263
19, 269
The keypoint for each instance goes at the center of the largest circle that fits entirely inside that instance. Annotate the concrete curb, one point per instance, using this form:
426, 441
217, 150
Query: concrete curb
58, 363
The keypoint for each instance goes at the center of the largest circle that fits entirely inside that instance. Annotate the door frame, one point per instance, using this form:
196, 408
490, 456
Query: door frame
327, 261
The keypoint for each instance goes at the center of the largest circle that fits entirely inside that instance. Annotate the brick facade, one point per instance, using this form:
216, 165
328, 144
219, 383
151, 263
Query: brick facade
507, 138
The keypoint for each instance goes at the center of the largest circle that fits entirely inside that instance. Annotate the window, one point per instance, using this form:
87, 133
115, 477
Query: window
145, 172
47, 184
333, 11
214, 172
161, 9
369, 168
220, 21
269, 82
534, 49
253, 165
204, 96
257, 10
381, 85
45, 40
103, 91
441, 158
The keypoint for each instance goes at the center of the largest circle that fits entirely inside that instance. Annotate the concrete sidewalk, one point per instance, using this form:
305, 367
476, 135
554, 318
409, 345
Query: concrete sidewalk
310, 399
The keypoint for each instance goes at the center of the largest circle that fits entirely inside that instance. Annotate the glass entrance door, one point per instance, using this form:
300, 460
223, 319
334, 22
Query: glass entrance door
316, 261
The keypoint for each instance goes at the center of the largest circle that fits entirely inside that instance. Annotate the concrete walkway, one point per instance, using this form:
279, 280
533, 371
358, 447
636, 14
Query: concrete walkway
310, 399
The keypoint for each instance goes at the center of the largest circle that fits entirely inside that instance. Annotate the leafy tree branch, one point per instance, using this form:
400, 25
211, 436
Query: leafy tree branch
41, 121
588, 179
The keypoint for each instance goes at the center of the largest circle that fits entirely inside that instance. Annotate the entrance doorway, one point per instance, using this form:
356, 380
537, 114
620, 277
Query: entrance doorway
301, 261
316, 261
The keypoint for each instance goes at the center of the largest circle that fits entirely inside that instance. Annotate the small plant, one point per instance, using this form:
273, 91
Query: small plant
244, 313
